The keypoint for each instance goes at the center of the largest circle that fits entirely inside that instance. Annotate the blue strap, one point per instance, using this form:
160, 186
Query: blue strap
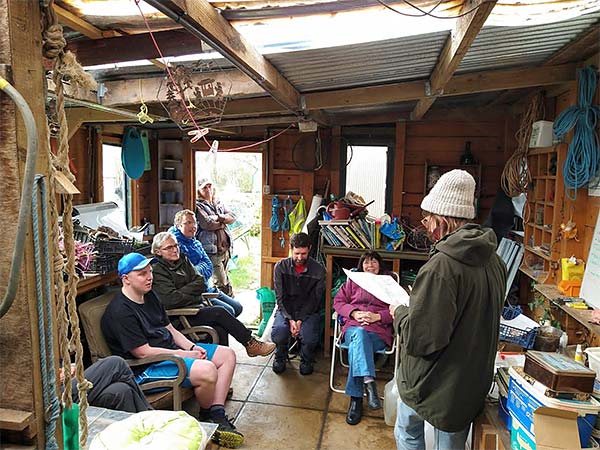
274, 223
288, 204
581, 164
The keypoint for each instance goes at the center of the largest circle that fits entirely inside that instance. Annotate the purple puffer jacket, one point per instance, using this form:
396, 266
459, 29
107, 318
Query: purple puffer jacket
351, 297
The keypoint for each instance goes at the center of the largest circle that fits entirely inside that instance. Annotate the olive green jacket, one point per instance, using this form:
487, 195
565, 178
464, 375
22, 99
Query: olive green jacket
449, 333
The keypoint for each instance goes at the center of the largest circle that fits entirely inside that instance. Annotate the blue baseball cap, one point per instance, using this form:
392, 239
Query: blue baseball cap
131, 262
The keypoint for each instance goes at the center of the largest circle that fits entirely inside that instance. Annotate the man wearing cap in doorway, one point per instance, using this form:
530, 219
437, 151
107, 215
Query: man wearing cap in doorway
135, 325
213, 218
449, 332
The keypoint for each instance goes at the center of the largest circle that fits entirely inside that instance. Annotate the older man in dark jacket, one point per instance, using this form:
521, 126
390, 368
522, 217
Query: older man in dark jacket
449, 333
299, 288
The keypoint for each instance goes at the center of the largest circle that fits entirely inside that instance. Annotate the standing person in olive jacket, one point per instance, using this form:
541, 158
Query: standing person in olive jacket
449, 333
213, 218
299, 288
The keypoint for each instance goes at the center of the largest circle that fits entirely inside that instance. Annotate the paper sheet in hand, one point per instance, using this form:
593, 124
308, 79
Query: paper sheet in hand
384, 287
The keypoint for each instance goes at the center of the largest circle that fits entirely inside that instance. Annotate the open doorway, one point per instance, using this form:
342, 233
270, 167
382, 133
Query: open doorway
237, 178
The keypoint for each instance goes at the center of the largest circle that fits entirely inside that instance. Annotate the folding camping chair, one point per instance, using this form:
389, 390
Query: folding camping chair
341, 348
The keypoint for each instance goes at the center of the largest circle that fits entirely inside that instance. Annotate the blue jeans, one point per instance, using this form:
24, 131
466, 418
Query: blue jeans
409, 432
362, 345
309, 336
225, 301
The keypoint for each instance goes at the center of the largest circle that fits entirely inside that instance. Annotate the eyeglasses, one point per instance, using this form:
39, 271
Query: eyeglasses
190, 223
169, 248
425, 221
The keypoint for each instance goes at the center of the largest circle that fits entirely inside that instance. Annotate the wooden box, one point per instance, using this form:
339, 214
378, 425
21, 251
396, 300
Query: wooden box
559, 372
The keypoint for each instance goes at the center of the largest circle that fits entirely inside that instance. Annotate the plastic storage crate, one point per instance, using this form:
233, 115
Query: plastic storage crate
103, 264
115, 246
524, 338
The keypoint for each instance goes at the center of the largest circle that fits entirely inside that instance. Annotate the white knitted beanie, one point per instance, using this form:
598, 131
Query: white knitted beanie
453, 195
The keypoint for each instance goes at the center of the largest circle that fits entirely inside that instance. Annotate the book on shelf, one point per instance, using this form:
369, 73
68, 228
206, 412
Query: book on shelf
350, 233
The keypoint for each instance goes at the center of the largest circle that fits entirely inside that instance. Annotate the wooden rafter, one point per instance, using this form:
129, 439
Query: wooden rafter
581, 47
203, 21
461, 37
134, 47
87, 29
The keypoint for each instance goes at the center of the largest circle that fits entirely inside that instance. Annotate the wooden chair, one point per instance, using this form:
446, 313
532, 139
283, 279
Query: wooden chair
174, 395
182, 323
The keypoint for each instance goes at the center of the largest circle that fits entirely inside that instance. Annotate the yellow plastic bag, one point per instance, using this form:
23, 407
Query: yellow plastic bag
572, 269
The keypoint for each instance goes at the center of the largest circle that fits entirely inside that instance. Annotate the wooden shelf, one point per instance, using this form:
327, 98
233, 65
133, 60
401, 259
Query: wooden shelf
538, 253
539, 278
171, 181
171, 204
172, 161
542, 150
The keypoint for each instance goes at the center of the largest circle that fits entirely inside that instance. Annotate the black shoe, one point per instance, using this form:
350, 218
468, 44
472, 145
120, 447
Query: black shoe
373, 400
354, 411
279, 365
306, 368
226, 435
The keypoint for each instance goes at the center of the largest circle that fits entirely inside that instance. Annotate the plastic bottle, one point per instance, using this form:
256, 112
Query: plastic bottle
562, 343
579, 354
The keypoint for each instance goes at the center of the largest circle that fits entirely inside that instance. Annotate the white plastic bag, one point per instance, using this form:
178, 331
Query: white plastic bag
390, 402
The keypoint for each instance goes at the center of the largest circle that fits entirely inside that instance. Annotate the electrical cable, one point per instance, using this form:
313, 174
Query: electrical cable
428, 13
582, 161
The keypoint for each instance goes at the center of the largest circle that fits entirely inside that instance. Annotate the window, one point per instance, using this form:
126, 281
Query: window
114, 179
366, 174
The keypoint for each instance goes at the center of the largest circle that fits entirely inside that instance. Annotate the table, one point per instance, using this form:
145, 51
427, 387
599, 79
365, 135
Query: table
87, 284
100, 418
342, 252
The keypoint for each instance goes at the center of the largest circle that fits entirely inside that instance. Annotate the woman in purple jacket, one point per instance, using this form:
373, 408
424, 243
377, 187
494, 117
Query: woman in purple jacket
367, 328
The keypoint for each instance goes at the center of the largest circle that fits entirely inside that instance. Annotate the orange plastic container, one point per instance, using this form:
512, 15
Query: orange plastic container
570, 288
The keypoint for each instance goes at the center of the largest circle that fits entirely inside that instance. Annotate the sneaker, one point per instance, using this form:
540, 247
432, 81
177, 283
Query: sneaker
259, 348
306, 368
226, 435
279, 366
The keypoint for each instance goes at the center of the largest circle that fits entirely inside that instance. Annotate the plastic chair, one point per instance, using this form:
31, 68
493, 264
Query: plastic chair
340, 348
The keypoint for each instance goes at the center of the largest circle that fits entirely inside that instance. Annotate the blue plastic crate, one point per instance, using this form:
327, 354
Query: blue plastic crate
524, 338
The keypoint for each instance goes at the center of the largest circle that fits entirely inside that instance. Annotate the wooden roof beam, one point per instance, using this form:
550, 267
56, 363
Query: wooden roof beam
204, 22
461, 37
584, 45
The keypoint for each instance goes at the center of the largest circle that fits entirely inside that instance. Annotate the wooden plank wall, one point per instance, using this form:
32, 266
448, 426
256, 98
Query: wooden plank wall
82, 164
442, 142
282, 174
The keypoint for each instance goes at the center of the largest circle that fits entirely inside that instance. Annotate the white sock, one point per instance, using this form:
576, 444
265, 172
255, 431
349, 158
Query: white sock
368, 379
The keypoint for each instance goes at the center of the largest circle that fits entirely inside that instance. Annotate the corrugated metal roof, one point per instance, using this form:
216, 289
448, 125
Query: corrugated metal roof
502, 47
414, 57
361, 64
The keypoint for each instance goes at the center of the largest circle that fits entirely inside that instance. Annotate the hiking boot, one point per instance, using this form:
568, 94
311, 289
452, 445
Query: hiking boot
306, 368
226, 435
279, 365
259, 348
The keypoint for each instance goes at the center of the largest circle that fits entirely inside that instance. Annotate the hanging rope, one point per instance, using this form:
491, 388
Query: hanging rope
44, 310
581, 163
288, 204
516, 176
274, 223
64, 64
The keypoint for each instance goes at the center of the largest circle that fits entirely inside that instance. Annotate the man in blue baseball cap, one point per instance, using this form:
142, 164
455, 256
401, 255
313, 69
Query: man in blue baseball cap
136, 325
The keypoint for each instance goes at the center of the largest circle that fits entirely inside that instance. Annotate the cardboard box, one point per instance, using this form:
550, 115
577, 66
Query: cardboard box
556, 429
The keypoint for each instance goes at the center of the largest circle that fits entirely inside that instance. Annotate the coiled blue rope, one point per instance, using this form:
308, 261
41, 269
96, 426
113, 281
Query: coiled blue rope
582, 160
287, 207
44, 309
274, 223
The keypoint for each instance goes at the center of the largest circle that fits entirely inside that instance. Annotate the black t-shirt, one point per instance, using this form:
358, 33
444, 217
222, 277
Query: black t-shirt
127, 325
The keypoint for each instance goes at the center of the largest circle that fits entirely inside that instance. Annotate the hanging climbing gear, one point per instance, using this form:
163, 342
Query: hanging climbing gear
285, 226
581, 164
274, 223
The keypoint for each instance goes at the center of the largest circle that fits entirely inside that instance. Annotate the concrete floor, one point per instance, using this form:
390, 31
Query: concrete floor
290, 411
